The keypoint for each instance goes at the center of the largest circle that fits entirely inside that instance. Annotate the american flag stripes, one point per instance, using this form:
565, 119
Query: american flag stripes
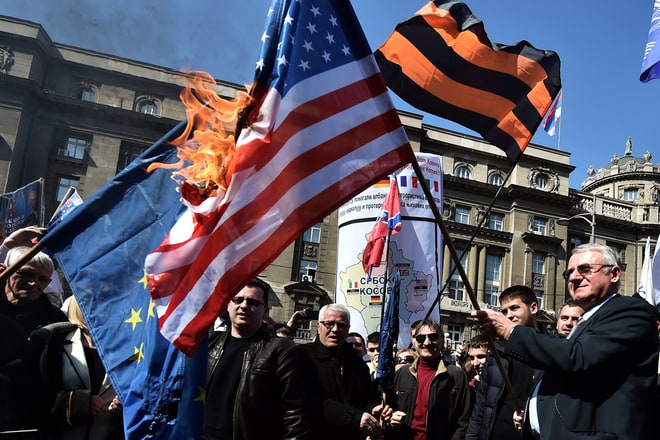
322, 129
441, 61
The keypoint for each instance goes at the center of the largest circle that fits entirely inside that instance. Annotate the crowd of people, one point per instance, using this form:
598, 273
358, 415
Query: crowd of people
595, 377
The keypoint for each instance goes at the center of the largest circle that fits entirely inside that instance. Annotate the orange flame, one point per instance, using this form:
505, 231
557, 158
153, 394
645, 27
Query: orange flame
207, 143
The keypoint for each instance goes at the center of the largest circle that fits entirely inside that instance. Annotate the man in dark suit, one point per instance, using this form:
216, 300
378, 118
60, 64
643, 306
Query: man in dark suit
599, 381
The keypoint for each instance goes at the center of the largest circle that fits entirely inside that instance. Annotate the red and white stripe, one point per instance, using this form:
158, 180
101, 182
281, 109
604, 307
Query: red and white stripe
330, 137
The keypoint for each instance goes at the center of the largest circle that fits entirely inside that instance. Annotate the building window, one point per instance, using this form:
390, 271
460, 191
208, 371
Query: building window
462, 215
463, 172
149, 108
74, 147
496, 221
539, 225
539, 298
87, 93
631, 194
541, 181
63, 184
574, 242
313, 234
307, 269
495, 179
455, 331
148, 104
456, 286
128, 152
493, 275
538, 263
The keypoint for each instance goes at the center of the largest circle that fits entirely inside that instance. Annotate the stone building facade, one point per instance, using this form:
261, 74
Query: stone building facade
76, 117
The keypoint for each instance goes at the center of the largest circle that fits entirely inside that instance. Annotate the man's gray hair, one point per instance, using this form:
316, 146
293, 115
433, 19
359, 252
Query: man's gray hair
40, 260
337, 308
609, 255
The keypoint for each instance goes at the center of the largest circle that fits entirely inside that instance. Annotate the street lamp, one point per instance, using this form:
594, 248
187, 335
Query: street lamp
584, 217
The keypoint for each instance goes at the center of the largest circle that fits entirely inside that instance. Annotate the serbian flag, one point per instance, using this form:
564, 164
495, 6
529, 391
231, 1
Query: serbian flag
442, 62
321, 128
388, 222
553, 117
650, 66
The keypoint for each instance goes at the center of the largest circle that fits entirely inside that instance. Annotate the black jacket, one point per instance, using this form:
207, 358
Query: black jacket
270, 400
491, 396
31, 316
600, 382
448, 406
342, 389
16, 377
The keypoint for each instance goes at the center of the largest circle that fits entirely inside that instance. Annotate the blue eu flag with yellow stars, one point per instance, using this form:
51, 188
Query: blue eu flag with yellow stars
101, 247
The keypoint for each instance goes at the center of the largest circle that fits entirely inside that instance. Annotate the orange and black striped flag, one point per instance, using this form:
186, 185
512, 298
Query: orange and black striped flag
442, 62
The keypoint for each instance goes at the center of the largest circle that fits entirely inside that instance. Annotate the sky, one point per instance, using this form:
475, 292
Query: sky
600, 44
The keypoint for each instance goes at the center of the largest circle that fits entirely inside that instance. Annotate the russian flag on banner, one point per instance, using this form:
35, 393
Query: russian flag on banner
549, 123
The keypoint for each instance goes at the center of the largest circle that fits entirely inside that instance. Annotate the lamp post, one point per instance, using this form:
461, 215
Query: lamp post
587, 217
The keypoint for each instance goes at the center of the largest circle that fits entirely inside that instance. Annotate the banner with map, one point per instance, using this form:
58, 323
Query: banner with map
416, 251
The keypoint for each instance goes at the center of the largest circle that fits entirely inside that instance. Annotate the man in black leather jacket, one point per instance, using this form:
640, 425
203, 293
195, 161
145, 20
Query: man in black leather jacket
255, 384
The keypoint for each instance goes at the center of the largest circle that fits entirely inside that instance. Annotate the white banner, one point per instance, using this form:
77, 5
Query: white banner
416, 251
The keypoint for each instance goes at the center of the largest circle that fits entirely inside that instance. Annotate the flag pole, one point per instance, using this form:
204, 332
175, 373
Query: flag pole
474, 235
468, 287
386, 276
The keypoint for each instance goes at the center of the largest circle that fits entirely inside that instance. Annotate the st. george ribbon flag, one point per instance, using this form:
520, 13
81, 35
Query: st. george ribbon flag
553, 117
442, 62
101, 246
389, 219
650, 66
322, 128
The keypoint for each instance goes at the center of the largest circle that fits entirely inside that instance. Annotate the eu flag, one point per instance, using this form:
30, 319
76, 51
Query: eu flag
389, 333
101, 247
650, 62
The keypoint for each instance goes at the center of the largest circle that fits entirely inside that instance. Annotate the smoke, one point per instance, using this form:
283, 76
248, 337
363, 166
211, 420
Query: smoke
219, 37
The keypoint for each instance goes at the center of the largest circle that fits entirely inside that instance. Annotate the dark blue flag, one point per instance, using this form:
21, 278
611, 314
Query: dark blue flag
650, 66
389, 332
101, 247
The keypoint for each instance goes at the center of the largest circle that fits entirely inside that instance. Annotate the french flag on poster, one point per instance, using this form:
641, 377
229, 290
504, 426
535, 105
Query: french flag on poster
551, 119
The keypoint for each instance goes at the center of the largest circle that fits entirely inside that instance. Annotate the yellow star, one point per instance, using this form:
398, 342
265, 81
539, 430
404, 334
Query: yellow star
202, 395
135, 317
152, 307
138, 353
143, 280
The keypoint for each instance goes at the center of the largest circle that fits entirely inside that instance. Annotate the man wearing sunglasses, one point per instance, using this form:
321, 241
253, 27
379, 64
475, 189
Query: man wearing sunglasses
373, 351
598, 382
431, 398
255, 381
347, 400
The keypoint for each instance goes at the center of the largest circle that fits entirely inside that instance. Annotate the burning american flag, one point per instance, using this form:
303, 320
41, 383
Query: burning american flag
317, 128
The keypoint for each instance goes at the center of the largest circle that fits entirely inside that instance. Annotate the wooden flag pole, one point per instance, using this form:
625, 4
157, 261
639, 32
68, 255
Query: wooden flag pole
34, 250
464, 277
436, 300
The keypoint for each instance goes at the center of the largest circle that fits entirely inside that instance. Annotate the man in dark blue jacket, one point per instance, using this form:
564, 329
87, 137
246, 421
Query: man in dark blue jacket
492, 415
600, 381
